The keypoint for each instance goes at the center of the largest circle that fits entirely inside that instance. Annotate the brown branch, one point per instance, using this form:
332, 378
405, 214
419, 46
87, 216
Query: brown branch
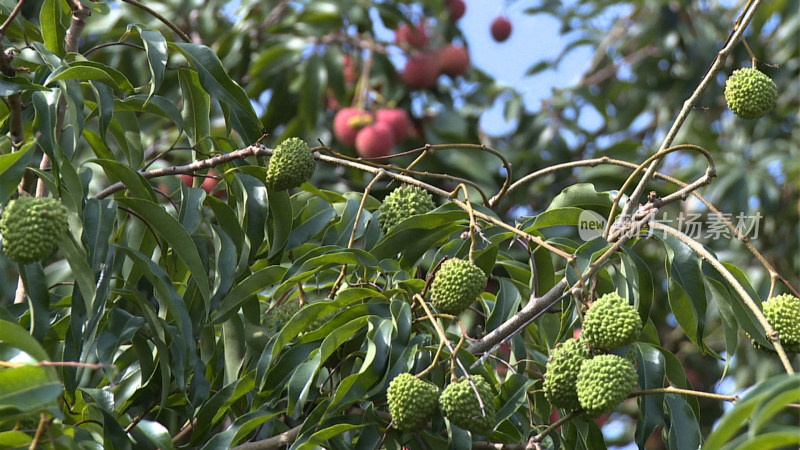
10, 18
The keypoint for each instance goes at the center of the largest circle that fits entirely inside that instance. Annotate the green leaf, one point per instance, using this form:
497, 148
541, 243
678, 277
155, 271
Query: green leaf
155, 46
216, 82
651, 371
280, 222
16, 336
681, 423
11, 85
196, 109
91, 70
27, 388
12, 168
137, 185
251, 285
166, 226
52, 18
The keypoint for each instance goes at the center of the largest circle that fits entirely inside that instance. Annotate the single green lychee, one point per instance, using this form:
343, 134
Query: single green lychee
460, 405
750, 94
562, 373
290, 165
611, 322
31, 226
783, 313
456, 285
402, 203
411, 401
603, 383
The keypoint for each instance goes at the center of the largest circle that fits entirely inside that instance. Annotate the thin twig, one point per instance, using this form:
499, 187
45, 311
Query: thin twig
10, 18
674, 390
163, 19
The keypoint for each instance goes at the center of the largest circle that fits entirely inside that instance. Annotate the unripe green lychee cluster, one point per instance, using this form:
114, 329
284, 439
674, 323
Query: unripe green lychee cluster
611, 323
460, 405
402, 203
579, 373
783, 313
30, 227
290, 165
457, 284
411, 401
562, 371
750, 94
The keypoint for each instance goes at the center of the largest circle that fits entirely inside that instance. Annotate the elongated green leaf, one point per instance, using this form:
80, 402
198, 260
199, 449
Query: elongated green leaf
196, 109
11, 85
12, 168
27, 388
155, 45
216, 82
52, 19
91, 70
683, 429
171, 230
651, 371
251, 285
16, 336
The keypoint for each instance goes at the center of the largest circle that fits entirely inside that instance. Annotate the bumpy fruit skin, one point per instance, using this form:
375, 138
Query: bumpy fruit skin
611, 322
402, 203
750, 93
411, 401
291, 165
460, 405
562, 371
603, 383
783, 313
30, 227
457, 284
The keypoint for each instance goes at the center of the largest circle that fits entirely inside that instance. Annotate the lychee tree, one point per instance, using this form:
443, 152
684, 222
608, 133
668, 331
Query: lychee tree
198, 253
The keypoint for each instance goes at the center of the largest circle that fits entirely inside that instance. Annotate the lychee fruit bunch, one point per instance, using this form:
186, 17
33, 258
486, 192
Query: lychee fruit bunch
411, 401
402, 203
603, 383
750, 93
611, 322
31, 226
460, 405
561, 374
291, 165
783, 313
457, 284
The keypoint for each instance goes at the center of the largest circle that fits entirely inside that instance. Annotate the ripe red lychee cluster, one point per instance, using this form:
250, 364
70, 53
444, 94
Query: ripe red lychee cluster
373, 136
501, 28
426, 63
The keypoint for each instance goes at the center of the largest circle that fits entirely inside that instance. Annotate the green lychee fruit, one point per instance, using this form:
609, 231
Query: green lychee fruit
783, 313
460, 405
402, 203
30, 227
290, 165
611, 322
411, 401
457, 284
562, 373
750, 93
603, 383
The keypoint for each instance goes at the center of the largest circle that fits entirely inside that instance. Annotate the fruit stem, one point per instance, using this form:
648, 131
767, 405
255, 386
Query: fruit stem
472, 237
556, 424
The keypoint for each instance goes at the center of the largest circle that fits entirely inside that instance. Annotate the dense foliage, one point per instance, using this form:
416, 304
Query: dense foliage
208, 294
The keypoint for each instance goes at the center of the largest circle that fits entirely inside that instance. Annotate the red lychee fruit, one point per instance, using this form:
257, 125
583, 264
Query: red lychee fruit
209, 183
347, 122
453, 60
501, 28
398, 121
414, 37
375, 140
187, 179
421, 71
456, 8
